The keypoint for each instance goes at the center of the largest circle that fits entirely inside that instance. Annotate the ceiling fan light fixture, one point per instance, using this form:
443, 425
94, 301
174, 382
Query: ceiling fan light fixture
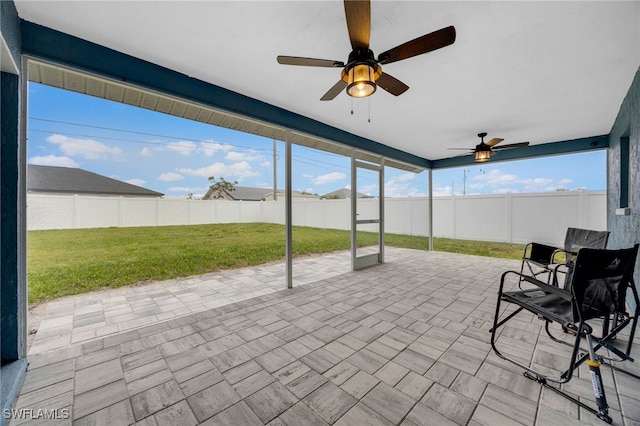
361, 81
482, 156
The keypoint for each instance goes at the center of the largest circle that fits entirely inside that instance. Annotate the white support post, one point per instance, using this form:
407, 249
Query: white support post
430, 210
354, 213
381, 208
288, 216
22, 292
275, 172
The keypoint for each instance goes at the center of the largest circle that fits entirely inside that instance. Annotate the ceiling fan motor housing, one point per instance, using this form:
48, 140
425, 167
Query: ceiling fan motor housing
361, 73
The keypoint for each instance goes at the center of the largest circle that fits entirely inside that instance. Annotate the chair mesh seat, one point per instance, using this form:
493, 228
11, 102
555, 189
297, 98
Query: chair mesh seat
541, 303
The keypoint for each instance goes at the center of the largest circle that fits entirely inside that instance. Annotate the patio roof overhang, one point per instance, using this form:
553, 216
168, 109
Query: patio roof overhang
67, 62
125, 92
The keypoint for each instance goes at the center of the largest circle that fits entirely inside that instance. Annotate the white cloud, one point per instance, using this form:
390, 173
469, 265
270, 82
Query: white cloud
402, 186
53, 160
238, 170
170, 177
329, 178
182, 147
137, 182
188, 189
495, 178
86, 148
243, 156
371, 190
439, 190
235, 156
210, 147
498, 182
145, 152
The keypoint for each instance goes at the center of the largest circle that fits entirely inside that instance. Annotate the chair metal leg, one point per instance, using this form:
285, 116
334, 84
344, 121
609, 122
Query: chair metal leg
596, 381
602, 412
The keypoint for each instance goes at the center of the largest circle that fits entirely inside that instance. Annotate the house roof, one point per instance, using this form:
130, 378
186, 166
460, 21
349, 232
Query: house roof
343, 193
247, 193
78, 181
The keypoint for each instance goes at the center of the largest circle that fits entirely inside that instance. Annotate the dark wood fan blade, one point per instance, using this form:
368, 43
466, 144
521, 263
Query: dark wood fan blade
461, 149
420, 45
512, 145
494, 141
391, 84
358, 15
334, 91
309, 62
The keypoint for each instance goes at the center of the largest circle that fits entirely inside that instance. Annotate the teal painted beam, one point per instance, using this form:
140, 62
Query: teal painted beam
10, 29
542, 150
9, 272
45, 43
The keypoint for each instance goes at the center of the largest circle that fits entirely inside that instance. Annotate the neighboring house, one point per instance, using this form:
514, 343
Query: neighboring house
343, 194
295, 195
247, 193
53, 180
240, 193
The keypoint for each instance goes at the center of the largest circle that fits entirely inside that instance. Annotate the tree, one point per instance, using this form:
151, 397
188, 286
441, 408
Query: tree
217, 187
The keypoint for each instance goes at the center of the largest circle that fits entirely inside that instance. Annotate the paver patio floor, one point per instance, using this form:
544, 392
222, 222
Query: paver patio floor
81, 318
405, 343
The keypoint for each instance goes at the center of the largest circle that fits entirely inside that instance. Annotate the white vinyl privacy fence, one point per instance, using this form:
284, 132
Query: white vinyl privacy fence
518, 218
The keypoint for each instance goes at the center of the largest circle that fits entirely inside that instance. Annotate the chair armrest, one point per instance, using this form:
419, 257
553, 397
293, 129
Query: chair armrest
567, 253
541, 253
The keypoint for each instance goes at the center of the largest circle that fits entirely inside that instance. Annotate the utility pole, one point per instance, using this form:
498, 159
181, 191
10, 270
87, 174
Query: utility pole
275, 172
464, 182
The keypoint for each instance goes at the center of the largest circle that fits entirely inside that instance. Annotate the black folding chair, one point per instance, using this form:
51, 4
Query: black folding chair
598, 290
545, 259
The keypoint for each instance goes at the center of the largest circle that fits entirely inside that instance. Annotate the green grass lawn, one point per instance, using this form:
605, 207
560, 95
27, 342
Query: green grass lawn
66, 262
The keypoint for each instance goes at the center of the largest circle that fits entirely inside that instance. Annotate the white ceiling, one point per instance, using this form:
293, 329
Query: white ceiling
536, 71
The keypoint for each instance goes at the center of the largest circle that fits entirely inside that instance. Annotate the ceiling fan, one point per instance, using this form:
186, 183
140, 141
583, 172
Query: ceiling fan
363, 72
484, 150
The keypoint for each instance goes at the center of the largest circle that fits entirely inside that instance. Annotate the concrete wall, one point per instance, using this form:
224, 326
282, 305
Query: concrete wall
625, 229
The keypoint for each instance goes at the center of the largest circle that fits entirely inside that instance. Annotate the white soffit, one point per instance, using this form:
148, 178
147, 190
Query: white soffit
88, 84
6, 59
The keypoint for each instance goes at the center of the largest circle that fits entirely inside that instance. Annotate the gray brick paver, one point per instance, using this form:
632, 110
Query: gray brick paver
271, 401
99, 398
212, 400
155, 399
389, 402
330, 402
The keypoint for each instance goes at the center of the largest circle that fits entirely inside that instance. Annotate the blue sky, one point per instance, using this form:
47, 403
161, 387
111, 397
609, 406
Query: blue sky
176, 156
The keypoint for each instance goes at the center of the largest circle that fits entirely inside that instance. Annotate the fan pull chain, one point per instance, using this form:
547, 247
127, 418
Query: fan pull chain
351, 106
369, 118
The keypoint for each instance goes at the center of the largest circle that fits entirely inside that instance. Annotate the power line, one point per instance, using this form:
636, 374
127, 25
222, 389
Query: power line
300, 158
246, 148
133, 132
241, 147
